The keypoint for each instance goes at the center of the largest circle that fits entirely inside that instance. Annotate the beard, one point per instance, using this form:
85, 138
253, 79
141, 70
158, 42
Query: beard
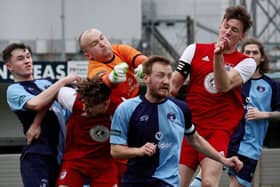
159, 94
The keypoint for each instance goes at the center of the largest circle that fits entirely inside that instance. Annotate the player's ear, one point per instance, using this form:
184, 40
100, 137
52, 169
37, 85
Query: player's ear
87, 55
9, 66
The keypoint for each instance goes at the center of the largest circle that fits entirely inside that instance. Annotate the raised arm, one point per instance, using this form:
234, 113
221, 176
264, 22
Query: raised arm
47, 96
226, 80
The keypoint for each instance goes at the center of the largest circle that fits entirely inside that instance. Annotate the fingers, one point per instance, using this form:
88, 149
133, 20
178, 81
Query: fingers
221, 45
119, 73
72, 79
251, 113
236, 163
150, 149
238, 166
32, 134
29, 139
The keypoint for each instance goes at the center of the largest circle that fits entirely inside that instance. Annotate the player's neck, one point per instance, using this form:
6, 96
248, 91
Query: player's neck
257, 74
22, 79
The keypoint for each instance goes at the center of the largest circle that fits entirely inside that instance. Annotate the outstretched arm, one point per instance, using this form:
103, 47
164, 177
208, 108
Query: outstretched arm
255, 114
201, 145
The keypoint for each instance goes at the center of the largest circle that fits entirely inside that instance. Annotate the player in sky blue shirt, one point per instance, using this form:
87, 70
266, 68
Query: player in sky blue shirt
261, 98
18, 94
148, 131
31, 100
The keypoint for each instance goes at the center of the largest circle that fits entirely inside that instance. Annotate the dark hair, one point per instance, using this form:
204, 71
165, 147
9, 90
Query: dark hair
264, 65
7, 52
93, 91
240, 13
148, 64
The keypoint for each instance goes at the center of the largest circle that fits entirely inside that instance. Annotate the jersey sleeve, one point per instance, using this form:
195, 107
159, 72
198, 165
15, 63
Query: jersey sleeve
120, 123
275, 101
188, 54
187, 116
185, 60
130, 55
189, 127
66, 97
138, 59
246, 68
17, 97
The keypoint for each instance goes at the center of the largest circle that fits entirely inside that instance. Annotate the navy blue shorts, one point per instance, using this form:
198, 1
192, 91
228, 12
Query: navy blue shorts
38, 170
248, 170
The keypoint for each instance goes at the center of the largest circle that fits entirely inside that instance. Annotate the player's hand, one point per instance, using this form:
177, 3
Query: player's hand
71, 79
234, 162
33, 133
254, 114
119, 73
148, 149
221, 45
138, 72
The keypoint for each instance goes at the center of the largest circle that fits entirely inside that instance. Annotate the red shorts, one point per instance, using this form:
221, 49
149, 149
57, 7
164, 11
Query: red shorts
219, 139
121, 165
101, 173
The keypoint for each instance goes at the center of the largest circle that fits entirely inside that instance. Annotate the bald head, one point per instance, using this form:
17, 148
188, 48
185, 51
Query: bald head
95, 45
86, 35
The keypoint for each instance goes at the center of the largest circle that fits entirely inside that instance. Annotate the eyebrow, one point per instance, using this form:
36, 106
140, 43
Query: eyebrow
248, 50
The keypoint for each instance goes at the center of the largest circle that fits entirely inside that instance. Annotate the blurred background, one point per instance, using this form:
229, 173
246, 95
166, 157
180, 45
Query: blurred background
164, 27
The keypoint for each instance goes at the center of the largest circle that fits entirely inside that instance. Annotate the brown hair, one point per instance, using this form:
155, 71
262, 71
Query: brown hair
240, 13
148, 64
93, 91
264, 65
7, 52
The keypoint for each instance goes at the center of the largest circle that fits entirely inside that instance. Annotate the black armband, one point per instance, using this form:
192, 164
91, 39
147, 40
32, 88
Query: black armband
183, 68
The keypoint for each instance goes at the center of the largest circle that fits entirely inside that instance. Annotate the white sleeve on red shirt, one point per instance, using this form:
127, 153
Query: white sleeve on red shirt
188, 54
246, 68
67, 96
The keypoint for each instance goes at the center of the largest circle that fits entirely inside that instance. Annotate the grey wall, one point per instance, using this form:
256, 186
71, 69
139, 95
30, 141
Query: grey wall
42, 19
10, 127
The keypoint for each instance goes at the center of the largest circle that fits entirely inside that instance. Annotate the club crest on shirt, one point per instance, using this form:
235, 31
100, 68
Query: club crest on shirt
171, 116
228, 67
99, 133
260, 88
209, 83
